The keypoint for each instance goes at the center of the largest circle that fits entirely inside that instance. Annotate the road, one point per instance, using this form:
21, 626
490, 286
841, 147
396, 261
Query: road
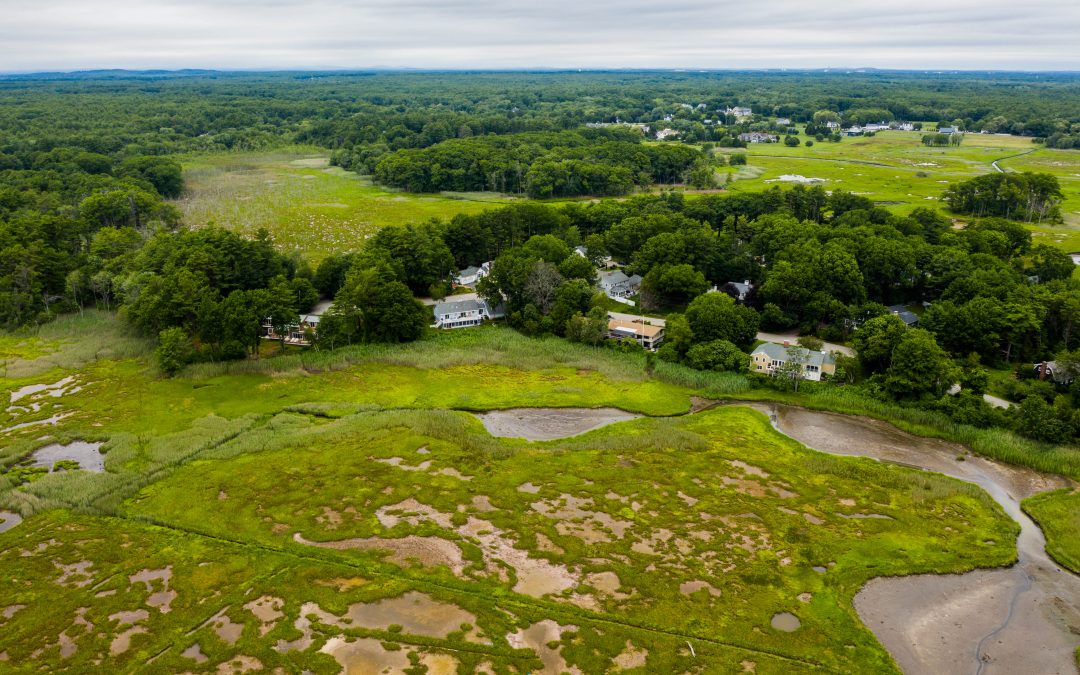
792, 337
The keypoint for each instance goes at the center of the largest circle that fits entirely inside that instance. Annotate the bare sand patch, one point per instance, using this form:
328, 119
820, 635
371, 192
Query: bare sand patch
75, 575
750, 468
239, 664
538, 637
412, 512
226, 629
439, 664
691, 587
631, 657
267, 609
536, 577
404, 551
194, 652
399, 462
528, 488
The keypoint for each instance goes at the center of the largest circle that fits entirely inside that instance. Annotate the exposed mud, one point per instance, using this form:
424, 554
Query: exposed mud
538, 637
9, 520
365, 656
545, 424
1022, 619
417, 614
428, 551
786, 622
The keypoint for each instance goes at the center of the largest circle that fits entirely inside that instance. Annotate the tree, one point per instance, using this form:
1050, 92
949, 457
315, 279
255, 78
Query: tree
174, 350
920, 368
715, 316
383, 307
794, 367
667, 285
875, 341
717, 355
1050, 264
811, 342
542, 283
590, 329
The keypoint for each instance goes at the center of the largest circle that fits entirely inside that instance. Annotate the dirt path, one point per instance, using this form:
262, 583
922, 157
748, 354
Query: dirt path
1022, 619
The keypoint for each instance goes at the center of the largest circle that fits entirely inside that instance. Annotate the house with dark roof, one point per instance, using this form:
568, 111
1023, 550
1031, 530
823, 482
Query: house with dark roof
739, 290
910, 318
472, 274
758, 137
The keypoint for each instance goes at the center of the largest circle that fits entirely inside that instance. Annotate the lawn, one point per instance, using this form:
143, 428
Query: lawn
305, 203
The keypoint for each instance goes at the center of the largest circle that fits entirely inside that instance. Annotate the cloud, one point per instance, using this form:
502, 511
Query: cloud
983, 34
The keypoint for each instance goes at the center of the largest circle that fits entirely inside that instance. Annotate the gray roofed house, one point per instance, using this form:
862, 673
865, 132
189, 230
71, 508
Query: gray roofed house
617, 284
465, 313
948, 130
472, 274
768, 357
906, 315
740, 290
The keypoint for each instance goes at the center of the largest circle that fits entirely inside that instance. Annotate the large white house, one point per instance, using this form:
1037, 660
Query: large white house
465, 313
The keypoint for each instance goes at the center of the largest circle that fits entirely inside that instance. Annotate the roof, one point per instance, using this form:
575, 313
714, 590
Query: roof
616, 277
469, 271
906, 315
634, 328
635, 279
456, 307
780, 353
742, 287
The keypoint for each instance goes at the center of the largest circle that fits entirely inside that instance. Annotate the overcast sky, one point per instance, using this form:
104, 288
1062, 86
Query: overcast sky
963, 34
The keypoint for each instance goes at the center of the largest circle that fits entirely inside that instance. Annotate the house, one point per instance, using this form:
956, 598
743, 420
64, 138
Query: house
876, 126
905, 126
740, 113
832, 125
465, 313
740, 291
645, 334
948, 130
769, 357
298, 333
617, 285
605, 261
907, 316
783, 122
472, 274
853, 130
664, 134
1055, 373
758, 137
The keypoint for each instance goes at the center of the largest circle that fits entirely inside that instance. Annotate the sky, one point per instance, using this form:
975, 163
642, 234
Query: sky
41, 35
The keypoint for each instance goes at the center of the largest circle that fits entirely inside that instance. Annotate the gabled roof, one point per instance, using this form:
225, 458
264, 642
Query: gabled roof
456, 307
907, 316
780, 353
469, 271
616, 277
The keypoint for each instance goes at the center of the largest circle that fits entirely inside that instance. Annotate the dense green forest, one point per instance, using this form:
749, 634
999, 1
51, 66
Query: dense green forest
86, 219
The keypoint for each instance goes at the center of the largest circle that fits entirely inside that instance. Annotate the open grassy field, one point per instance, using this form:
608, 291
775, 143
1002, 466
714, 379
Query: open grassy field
894, 167
316, 514
305, 203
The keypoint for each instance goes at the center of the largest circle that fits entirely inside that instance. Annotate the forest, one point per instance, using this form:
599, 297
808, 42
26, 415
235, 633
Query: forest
87, 219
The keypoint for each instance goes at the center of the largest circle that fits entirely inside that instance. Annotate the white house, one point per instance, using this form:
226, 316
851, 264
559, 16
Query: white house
758, 137
853, 130
617, 285
297, 333
472, 274
832, 125
783, 122
740, 113
769, 357
948, 130
876, 126
465, 313
664, 134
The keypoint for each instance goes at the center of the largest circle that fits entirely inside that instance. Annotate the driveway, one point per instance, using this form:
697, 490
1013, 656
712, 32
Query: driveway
793, 336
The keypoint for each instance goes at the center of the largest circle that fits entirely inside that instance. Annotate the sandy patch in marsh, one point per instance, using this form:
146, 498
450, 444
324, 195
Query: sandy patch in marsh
545, 424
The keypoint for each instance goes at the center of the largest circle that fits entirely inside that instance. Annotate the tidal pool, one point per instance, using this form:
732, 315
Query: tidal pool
85, 453
1020, 619
545, 424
